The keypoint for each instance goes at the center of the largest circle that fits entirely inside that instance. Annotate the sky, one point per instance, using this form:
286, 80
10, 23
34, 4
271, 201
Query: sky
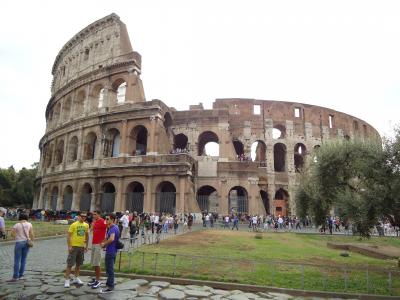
344, 55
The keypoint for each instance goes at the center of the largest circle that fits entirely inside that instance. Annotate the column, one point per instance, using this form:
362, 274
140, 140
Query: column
147, 205
118, 201
66, 147
124, 139
271, 195
223, 195
86, 103
181, 202
153, 123
80, 144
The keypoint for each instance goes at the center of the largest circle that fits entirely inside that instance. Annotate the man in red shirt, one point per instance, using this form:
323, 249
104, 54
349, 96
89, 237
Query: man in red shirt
99, 228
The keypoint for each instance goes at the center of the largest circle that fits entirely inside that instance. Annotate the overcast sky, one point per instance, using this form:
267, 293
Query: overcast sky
344, 55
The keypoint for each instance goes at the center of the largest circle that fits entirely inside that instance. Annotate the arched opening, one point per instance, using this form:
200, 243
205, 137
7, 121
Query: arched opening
57, 113
89, 149
135, 197
258, 153
73, 149
48, 152
107, 201
265, 201
80, 103
299, 156
167, 122
59, 152
347, 137
67, 198
121, 92
166, 198
208, 144
112, 143
278, 132
96, 97
66, 111
180, 143
281, 202
238, 202
207, 199
54, 198
86, 197
239, 149
138, 140
279, 157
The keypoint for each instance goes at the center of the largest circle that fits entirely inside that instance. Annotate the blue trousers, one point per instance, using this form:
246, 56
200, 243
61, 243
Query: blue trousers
20, 253
109, 262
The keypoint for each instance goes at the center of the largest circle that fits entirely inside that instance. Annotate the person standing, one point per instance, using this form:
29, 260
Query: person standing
235, 222
77, 241
2, 224
110, 243
22, 231
125, 225
99, 228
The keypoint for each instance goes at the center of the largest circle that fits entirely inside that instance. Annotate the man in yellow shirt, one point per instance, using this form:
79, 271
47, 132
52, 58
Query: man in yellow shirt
77, 240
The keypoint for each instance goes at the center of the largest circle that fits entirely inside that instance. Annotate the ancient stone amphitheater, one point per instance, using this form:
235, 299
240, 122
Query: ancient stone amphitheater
107, 148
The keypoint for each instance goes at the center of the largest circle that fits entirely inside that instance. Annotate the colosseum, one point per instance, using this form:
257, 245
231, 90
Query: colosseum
106, 147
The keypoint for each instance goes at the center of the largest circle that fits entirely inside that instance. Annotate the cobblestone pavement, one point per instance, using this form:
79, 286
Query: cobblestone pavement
50, 285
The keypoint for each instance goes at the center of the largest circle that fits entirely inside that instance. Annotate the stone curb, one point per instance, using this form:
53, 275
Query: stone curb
11, 242
246, 287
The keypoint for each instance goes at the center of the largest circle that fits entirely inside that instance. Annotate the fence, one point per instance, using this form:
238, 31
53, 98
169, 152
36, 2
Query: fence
305, 276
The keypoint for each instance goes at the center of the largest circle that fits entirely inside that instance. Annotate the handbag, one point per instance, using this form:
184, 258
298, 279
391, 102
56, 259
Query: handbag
120, 245
29, 242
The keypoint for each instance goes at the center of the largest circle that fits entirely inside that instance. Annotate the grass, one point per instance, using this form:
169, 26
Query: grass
275, 260
40, 229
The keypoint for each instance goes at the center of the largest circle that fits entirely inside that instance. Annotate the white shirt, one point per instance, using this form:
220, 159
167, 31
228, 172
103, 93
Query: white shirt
254, 220
156, 219
125, 221
227, 219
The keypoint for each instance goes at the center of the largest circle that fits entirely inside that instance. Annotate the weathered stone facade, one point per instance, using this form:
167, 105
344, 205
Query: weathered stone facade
106, 147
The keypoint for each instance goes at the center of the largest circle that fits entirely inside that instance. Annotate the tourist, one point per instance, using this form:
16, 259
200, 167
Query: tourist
110, 244
124, 220
176, 224
226, 225
133, 228
99, 232
2, 224
77, 241
235, 222
23, 233
190, 222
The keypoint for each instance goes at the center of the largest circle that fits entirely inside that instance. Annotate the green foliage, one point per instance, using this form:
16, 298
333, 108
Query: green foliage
359, 178
16, 188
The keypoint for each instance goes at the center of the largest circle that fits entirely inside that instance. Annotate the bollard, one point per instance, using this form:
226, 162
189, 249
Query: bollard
142, 261
174, 266
119, 264
155, 263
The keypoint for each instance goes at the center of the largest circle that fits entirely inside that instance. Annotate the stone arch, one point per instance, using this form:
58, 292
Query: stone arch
86, 197
135, 197
66, 111
180, 141
167, 121
258, 152
166, 197
73, 149
59, 152
205, 138
279, 157
48, 153
112, 143
281, 202
54, 198
138, 140
207, 199
119, 88
278, 132
89, 149
67, 198
56, 113
300, 152
107, 201
45, 199
96, 97
238, 200
80, 103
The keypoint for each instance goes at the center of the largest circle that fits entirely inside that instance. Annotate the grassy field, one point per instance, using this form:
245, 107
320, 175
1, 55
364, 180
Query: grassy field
301, 261
41, 229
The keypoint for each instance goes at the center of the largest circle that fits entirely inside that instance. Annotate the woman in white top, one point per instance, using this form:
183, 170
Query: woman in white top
22, 231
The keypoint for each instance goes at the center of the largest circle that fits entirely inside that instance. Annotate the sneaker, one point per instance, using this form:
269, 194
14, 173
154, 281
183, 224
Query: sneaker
106, 290
91, 282
77, 281
66, 283
21, 278
96, 284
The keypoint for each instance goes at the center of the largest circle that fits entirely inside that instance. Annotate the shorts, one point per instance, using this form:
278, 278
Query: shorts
76, 257
95, 257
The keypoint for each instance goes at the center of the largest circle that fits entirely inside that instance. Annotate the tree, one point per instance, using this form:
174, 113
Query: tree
343, 174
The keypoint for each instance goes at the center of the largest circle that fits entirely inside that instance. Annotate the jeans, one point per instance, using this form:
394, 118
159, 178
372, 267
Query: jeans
20, 253
109, 262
